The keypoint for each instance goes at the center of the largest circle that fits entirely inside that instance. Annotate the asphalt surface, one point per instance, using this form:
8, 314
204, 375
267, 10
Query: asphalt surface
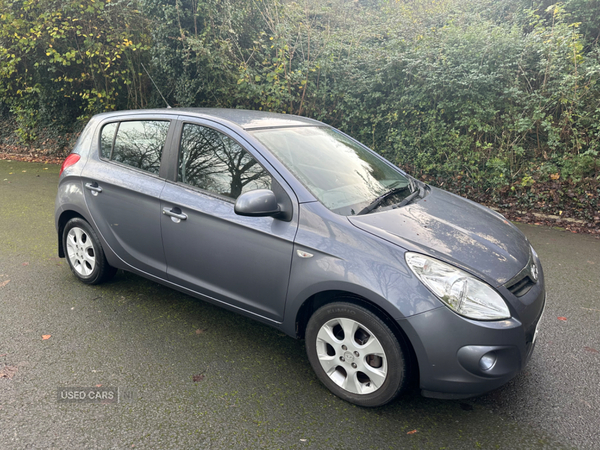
206, 378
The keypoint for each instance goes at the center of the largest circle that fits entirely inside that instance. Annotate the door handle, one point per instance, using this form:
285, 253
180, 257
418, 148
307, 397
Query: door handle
94, 188
175, 214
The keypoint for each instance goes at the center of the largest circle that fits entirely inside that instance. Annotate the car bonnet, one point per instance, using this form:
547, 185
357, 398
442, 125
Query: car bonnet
456, 230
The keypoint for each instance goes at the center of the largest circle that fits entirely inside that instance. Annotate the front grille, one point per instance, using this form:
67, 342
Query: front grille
520, 287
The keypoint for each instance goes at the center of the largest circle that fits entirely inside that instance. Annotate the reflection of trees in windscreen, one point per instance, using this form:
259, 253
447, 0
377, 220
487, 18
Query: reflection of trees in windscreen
216, 163
139, 144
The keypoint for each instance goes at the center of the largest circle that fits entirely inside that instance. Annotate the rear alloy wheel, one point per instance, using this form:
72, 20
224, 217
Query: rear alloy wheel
355, 354
84, 253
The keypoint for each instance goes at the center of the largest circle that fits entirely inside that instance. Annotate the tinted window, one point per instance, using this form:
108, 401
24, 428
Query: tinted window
214, 162
138, 143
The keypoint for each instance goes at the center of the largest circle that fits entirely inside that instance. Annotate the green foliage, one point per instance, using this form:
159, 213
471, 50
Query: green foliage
63, 59
480, 95
587, 14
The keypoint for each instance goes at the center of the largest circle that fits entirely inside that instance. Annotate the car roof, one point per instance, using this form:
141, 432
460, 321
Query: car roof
246, 119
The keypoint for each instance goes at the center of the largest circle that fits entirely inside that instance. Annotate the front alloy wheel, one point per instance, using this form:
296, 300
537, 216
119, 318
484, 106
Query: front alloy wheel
355, 354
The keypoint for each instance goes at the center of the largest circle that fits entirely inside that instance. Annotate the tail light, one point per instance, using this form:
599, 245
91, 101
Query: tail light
69, 161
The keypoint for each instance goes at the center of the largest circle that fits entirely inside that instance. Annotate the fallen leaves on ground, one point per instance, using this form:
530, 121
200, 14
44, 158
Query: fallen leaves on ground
591, 350
412, 432
564, 319
201, 330
573, 227
4, 283
15, 154
8, 372
198, 377
45, 337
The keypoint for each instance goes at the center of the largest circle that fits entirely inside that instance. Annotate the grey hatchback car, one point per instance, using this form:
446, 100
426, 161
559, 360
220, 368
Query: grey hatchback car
291, 222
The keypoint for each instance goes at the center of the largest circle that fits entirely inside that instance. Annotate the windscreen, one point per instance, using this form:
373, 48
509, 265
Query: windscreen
340, 173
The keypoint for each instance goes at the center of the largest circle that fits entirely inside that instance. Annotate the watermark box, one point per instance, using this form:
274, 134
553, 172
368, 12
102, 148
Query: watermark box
102, 395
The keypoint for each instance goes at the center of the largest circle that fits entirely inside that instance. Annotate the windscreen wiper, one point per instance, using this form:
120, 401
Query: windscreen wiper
375, 203
408, 199
413, 184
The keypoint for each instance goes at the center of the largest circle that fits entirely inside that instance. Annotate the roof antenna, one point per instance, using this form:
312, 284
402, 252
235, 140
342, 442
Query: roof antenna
149, 76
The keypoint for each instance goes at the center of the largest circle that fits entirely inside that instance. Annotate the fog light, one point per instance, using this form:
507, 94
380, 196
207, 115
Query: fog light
487, 361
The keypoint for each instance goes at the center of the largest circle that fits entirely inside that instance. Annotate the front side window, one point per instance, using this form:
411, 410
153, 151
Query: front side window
136, 143
212, 161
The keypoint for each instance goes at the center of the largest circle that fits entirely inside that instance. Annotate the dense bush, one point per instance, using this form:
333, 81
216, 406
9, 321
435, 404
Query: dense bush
495, 100
62, 59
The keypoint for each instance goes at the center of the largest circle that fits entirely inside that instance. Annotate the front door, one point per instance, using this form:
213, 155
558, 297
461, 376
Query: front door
241, 261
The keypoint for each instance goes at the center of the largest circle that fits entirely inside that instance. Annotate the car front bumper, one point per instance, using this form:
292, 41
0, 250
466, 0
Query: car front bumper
461, 358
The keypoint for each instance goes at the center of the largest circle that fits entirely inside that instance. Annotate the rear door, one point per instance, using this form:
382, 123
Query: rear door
242, 261
122, 187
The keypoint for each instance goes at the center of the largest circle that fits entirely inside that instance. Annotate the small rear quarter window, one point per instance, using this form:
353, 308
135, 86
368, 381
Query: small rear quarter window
107, 138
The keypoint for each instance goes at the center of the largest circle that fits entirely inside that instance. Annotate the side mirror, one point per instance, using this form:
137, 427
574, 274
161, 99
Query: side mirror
257, 203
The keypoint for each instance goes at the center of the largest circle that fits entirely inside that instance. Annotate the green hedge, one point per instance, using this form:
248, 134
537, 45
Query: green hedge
495, 100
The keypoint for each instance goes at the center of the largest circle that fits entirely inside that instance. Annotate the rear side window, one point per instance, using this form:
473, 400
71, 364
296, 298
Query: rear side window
136, 143
212, 161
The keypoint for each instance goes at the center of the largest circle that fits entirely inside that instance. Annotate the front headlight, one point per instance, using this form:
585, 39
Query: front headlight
460, 291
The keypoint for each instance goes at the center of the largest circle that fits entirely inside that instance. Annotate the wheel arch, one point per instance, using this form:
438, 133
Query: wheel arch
316, 301
64, 217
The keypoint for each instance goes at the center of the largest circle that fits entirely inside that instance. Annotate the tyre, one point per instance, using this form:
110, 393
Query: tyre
355, 354
84, 253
